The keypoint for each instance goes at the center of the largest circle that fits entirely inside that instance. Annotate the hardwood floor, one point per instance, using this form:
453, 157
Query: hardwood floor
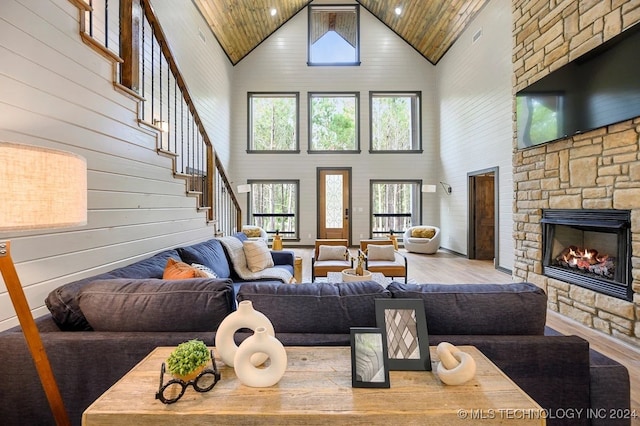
447, 268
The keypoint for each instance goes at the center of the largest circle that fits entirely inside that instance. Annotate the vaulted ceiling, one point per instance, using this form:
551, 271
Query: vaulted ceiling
429, 26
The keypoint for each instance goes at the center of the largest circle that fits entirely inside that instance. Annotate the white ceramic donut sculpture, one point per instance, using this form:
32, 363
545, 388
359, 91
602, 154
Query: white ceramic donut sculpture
455, 367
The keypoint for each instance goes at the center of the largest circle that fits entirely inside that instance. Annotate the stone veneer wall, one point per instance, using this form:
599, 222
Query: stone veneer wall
595, 170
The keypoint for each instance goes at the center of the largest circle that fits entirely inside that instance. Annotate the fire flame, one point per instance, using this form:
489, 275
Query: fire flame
587, 260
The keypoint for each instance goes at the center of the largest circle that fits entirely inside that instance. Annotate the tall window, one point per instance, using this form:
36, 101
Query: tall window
333, 35
395, 205
395, 121
274, 206
333, 122
273, 122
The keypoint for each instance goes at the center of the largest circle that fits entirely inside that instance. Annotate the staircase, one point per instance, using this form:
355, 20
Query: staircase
128, 34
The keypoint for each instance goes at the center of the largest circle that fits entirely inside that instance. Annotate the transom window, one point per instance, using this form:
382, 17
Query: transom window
274, 206
395, 121
333, 122
395, 206
273, 122
333, 35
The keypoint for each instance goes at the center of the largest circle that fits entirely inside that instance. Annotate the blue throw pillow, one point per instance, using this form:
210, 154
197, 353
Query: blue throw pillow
210, 254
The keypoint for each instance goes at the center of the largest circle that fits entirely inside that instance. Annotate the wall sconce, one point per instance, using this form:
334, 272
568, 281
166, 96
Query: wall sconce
446, 187
244, 189
162, 125
428, 188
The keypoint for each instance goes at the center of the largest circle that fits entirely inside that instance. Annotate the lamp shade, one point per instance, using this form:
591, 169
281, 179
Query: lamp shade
428, 188
41, 188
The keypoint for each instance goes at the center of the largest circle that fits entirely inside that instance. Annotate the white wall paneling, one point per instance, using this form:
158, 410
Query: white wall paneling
475, 124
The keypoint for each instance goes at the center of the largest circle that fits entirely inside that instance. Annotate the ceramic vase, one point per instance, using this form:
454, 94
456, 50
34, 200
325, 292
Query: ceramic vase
349, 275
260, 343
244, 317
455, 367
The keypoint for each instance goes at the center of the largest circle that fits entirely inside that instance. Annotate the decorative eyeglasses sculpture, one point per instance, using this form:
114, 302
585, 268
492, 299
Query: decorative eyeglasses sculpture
173, 390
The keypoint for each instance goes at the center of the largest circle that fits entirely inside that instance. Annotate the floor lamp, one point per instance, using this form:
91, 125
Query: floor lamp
40, 189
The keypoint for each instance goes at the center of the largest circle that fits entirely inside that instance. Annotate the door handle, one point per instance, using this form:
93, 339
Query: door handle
346, 213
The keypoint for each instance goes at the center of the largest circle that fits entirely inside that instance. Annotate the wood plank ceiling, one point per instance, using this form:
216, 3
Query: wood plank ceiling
429, 26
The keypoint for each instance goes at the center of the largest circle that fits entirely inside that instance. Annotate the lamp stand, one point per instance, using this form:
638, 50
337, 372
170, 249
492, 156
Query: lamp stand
31, 334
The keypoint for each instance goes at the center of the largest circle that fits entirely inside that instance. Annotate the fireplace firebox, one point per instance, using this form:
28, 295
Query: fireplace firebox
589, 248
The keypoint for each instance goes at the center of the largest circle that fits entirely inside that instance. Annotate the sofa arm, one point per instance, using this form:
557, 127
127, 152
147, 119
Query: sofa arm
283, 257
610, 391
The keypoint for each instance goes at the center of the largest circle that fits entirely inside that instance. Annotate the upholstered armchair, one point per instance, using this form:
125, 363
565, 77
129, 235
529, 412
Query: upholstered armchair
330, 255
422, 239
381, 256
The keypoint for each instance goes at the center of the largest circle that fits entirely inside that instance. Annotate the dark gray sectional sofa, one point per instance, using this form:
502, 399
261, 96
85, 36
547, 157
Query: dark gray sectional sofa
108, 323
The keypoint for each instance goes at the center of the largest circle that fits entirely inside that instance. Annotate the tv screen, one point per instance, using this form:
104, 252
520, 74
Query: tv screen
597, 89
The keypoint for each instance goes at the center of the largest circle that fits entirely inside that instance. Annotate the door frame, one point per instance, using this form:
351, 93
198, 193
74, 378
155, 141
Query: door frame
471, 234
319, 170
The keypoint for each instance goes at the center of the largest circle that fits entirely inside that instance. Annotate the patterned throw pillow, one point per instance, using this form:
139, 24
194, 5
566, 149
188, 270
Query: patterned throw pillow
205, 269
251, 232
257, 254
331, 252
380, 252
176, 270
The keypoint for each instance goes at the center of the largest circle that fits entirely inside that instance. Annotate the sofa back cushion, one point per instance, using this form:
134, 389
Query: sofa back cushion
323, 308
156, 305
208, 253
62, 301
489, 309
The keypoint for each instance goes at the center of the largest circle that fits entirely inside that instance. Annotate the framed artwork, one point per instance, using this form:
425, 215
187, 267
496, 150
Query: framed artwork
404, 325
369, 362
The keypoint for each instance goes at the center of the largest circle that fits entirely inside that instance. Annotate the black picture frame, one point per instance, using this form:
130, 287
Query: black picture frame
369, 361
404, 325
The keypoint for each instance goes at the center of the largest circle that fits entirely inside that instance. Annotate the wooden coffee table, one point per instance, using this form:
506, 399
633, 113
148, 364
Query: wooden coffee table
316, 389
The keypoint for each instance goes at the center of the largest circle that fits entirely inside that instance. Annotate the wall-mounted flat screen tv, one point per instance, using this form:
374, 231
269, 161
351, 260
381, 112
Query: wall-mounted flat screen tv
597, 89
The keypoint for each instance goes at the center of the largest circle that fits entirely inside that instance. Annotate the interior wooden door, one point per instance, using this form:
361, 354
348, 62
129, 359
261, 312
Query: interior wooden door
484, 220
334, 203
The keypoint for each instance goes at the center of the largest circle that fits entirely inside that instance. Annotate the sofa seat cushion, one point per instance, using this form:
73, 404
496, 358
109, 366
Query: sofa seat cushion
489, 309
156, 305
317, 307
208, 253
62, 301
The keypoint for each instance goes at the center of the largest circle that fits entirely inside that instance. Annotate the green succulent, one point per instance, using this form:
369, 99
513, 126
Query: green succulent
187, 357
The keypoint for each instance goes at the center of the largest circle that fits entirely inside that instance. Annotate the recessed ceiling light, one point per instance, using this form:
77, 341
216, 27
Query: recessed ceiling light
273, 12
398, 10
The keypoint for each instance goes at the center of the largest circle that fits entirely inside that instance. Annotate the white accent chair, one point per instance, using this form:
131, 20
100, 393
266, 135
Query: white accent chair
418, 244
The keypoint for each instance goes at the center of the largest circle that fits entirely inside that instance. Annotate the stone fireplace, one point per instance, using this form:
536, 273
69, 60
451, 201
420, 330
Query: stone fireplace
596, 170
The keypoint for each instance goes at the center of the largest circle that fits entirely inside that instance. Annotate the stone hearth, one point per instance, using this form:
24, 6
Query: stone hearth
595, 170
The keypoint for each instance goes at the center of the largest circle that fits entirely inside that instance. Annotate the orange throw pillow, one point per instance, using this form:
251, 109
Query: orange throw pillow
179, 270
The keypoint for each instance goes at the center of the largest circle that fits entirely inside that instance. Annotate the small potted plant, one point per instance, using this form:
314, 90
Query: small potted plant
188, 360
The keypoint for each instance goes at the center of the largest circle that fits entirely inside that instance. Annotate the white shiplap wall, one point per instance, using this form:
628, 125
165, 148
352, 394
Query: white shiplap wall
475, 96
388, 63
57, 92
